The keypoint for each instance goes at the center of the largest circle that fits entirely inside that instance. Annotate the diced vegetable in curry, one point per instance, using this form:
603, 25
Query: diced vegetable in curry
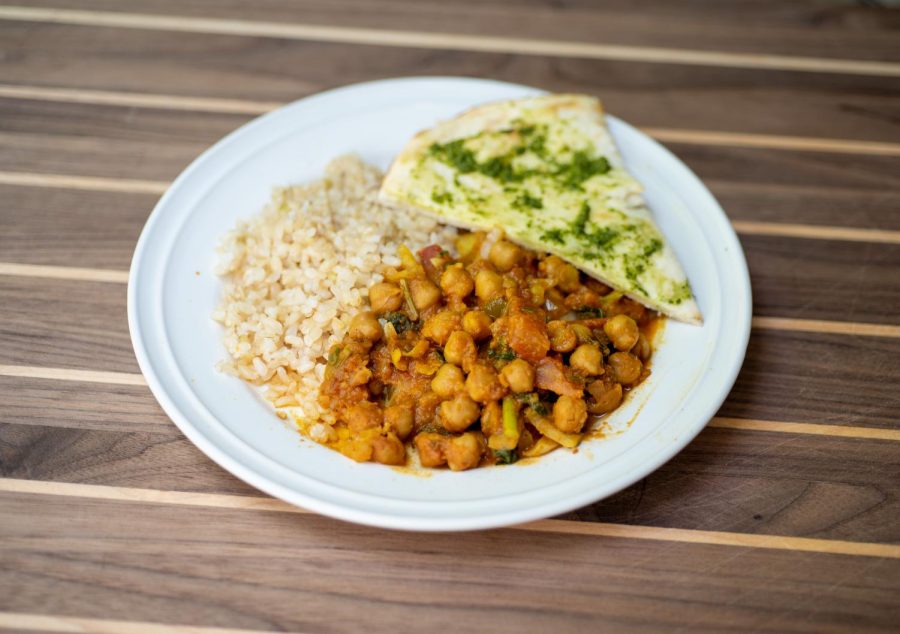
496, 355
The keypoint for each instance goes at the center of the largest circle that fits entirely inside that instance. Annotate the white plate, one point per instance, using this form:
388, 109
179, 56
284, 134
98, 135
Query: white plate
172, 292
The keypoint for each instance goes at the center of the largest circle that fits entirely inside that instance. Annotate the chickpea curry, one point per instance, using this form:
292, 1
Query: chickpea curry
498, 354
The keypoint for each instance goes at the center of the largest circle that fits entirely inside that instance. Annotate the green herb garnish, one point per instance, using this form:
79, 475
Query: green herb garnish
506, 456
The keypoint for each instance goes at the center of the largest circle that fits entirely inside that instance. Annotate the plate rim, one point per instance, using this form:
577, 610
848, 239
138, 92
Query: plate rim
394, 520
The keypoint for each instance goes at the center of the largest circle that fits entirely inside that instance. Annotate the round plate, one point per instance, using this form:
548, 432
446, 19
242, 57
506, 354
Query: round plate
172, 293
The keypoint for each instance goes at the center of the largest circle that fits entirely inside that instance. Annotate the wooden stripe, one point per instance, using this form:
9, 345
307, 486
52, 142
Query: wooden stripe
774, 141
815, 232
784, 427
67, 374
249, 107
140, 100
830, 327
450, 41
63, 272
68, 181
595, 529
78, 625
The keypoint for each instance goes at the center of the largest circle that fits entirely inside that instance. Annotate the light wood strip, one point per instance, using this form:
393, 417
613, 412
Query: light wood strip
139, 100
830, 327
67, 374
92, 183
63, 272
78, 625
250, 107
815, 232
844, 431
773, 141
450, 41
596, 529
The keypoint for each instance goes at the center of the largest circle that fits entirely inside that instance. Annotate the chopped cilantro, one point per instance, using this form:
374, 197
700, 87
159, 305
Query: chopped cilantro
580, 222
588, 312
554, 235
527, 200
400, 322
505, 456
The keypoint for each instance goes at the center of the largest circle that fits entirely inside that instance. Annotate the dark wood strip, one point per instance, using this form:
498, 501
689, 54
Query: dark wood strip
58, 323
83, 406
805, 377
236, 569
823, 279
651, 95
54, 226
820, 378
726, 480
831, 30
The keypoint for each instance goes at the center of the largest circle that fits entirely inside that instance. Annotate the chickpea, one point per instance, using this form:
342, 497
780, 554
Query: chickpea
385, 297
477, 324
400, 419
432, 449
587, 359
448, 381
483, 384
365, 327
456, 282
518, 376
488, 284
504, 255
569, 414
360, 449
642, 349
563, 337
622, 332
364, 415
460, 349
492, 419
424, 294
561, 273
464, 452
626, 368
458, 413
388, 450
439, 327
606, 395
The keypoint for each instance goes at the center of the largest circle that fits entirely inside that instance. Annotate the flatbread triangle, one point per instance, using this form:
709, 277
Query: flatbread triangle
547, 171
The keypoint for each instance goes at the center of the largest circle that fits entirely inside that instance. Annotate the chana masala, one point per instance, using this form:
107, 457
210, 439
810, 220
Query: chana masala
498, 354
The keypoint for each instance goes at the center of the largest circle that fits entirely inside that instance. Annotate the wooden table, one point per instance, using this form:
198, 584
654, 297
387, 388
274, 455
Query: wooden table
781, 516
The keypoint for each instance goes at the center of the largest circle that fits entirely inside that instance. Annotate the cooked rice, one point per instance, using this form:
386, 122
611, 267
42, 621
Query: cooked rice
295, 275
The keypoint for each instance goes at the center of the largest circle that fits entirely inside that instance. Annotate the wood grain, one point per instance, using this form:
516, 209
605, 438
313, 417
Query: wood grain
841, 30
726, 480
805, 377
441, 40
260, 69
235, 569
818, 378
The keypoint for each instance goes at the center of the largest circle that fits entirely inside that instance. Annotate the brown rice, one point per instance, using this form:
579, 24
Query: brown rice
296, 273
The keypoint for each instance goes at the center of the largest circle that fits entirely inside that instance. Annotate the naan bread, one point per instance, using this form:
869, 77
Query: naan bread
545, 170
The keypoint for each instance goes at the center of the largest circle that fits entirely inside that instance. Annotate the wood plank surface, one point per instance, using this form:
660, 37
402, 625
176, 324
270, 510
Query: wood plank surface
781, 516
725, 480
235, 569
652, 95
816, 28
806, 377
817, 188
